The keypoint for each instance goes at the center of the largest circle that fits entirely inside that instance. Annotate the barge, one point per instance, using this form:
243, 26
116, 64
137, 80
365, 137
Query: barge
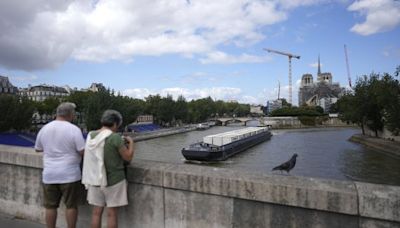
221, 146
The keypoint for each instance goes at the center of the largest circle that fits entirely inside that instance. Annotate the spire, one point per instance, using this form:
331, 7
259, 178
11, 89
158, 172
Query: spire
319, 66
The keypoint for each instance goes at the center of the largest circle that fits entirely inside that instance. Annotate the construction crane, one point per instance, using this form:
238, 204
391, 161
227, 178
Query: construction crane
347, 65
290, 56
279, 89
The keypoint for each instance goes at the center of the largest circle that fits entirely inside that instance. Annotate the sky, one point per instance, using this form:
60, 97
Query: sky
195, 48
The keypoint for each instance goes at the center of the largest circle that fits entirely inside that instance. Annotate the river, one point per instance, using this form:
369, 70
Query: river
322, 152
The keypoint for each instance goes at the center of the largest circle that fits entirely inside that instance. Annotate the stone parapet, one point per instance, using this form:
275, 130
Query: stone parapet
183, 195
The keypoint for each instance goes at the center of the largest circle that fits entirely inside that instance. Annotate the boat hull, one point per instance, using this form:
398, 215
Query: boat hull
226, 151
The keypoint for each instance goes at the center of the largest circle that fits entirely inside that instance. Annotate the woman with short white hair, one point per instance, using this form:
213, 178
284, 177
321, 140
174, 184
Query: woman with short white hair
103, 169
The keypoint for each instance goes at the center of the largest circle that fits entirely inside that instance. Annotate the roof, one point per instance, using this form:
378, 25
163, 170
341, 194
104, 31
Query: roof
48, 88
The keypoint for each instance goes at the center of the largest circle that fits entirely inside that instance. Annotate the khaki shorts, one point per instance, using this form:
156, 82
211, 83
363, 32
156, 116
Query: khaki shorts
71, 193
111, 196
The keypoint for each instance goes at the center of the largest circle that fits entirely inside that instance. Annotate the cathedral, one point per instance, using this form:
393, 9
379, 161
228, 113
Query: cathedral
322, 93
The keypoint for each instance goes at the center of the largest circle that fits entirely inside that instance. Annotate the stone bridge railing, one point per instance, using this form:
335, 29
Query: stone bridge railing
181, 195
225, 120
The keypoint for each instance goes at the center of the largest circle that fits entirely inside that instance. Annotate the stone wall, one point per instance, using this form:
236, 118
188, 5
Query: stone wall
384, 134
181, 195
294, 122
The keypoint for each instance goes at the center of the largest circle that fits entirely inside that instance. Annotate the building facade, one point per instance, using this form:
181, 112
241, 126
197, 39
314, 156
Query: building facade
96, 87
256, 110
273, 105
324, 92
6, 87
42, 92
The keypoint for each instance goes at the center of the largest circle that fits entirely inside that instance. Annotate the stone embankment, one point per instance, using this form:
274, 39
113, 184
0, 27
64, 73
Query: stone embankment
160, 133
182, 195
288, 122
384, 145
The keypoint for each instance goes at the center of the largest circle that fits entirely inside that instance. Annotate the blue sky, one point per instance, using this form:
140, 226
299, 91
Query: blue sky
195, 48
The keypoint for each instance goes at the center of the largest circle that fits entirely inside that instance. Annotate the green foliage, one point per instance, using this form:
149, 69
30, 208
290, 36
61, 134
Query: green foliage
48, 106
375, 103
298, 111
91, 105
16, 113
308, 120
334, 108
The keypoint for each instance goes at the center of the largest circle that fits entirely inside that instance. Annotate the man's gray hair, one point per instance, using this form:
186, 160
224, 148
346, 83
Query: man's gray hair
111, 117
66, 109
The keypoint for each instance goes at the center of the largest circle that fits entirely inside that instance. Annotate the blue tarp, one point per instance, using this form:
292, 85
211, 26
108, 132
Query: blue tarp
17, 139
20, 139
143, 127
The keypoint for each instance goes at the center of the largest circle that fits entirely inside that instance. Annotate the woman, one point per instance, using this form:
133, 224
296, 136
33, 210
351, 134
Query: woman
103, 169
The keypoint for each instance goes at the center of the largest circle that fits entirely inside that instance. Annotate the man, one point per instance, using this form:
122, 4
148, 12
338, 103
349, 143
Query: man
62, 145
103, 169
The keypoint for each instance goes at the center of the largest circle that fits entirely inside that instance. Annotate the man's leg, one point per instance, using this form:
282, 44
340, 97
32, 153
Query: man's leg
71, 215
52, 197
72, 195
112, 217
51, 218
96, 217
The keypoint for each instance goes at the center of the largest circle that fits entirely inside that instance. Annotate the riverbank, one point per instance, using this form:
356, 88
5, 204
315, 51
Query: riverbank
387, 146
294, 122
298, 127
137, 137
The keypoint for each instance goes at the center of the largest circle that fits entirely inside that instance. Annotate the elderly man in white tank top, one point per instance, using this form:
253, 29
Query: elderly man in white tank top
62, 145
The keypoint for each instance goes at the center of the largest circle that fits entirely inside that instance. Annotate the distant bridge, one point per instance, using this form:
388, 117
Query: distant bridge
227, 120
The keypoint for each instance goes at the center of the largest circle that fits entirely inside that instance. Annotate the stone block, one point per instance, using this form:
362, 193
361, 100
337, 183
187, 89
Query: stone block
373, 223
195, 210
264, 215
379, 201
145, 209
22, 156
147, 172
312, 193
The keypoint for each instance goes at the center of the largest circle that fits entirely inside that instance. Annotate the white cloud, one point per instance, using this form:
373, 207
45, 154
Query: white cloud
290, 4
219, 57
218, 93
43, 34
268, 94
393, 52
315, 65
24, 78
380, 16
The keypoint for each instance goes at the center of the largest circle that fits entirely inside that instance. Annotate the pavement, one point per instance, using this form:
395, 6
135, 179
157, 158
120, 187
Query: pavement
7, 221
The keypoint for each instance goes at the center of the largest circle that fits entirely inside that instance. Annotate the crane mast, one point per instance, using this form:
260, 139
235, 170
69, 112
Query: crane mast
347, 65
290, 56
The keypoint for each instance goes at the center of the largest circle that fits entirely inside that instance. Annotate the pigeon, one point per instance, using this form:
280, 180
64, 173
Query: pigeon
287, 166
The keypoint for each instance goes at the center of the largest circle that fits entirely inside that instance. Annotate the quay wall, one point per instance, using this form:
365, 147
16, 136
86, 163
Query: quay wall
283, 122
384, 134
182, 195
384, 145
159, 133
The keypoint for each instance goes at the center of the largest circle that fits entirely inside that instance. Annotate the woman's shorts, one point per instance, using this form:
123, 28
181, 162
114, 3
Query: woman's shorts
110, 196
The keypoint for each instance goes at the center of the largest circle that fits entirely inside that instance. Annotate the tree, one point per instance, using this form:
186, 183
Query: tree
166, 111
375, 103
96, 104
16, 113
181, 109
389, 97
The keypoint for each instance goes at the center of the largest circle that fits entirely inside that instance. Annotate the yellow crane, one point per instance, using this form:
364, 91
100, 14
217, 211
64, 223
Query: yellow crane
290, 56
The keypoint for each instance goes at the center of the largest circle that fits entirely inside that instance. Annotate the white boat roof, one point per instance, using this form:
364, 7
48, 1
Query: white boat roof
239, 131
231, 136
